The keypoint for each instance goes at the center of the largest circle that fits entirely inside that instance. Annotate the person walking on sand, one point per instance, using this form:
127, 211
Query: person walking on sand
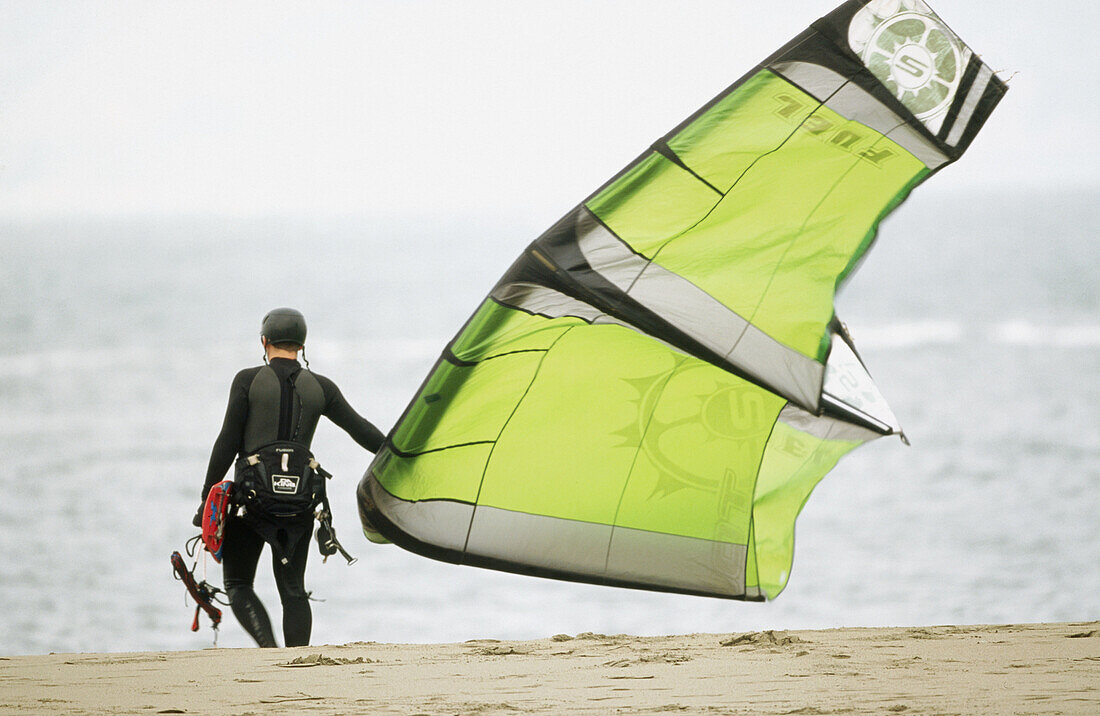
272, 414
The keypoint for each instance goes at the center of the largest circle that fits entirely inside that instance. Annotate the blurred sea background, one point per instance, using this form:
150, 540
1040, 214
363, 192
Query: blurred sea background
987, 348
150, 215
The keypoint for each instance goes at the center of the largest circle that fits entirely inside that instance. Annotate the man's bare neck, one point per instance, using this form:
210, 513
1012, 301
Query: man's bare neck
273, 352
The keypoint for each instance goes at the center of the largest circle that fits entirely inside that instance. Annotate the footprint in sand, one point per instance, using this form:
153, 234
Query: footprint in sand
322, 660
762, 638
498, 651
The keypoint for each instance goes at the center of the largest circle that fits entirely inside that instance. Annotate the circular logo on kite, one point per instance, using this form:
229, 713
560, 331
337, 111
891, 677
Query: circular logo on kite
915, 56
705, 413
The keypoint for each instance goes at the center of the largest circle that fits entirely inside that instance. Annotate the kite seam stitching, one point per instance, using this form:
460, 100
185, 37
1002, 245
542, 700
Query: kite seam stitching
802, 506
752, 164
756, 308
752, 509
461, 363
634, 461
488, 459
732, 186
810, 214
401, 453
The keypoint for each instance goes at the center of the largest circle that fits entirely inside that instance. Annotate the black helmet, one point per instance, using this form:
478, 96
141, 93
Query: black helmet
284, 325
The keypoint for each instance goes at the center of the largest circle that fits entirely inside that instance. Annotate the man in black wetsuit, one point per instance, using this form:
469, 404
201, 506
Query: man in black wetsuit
279, 401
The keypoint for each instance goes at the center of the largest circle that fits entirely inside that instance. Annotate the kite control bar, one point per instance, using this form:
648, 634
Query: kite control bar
203, 593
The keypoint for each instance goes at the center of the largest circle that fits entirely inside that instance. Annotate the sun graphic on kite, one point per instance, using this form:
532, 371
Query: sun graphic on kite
687, 414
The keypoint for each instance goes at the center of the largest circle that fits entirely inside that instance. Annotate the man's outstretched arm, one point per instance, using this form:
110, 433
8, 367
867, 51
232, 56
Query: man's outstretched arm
343, 415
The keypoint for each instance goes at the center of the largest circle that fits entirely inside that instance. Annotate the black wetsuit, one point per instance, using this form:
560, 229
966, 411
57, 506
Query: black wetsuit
265, 405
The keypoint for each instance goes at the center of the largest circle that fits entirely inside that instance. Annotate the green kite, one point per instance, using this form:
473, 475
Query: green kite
651, 392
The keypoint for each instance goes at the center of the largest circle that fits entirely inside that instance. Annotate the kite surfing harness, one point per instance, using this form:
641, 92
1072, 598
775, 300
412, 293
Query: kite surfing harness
277, 489
204, 593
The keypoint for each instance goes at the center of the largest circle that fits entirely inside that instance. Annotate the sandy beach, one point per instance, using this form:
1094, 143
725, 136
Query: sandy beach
1027, 669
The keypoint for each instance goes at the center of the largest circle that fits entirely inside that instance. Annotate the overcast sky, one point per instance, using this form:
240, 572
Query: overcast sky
391, 107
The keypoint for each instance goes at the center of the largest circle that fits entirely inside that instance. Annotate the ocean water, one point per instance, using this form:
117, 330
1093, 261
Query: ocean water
978, 315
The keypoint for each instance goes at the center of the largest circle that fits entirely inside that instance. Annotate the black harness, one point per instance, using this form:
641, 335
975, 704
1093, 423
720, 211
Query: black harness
279, 486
